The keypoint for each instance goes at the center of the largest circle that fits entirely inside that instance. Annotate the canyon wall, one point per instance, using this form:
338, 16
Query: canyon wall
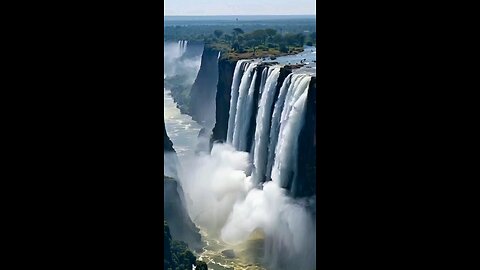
222, 99
202, 93
167, 143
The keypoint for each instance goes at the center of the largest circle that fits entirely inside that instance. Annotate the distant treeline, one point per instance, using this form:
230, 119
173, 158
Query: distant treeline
199, 30
261, 39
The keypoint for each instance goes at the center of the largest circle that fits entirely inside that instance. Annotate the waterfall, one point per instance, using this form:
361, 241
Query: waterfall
240, 125
246, 115
263, 125
278, 120
274, 129
237, 76
264, 78
291, 122
267, 114
182, 45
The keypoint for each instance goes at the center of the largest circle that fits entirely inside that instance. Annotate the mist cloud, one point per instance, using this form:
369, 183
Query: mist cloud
221, 199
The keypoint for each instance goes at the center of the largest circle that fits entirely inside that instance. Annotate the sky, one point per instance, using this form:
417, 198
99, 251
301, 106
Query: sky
238, 7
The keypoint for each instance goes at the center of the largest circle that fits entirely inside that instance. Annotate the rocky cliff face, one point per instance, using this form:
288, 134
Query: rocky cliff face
182, 74
307, 147
194, 49
181, 226
202, 93
222, 99
167, 143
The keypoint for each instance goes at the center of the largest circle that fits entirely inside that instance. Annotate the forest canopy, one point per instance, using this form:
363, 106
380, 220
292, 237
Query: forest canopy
188, 30
258, 43
246, 38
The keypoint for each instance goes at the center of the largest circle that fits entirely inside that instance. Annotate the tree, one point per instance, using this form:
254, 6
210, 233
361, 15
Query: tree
294, 39
201, 265
188, 257
167, 241
300, 39
260, 36
238, 31
240, 39
277, 38
313, 37
235, 46
228, 38
251, 43
218, 33
270, 32
176, 253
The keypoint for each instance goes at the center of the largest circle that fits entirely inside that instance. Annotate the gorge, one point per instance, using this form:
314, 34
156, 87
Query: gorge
248, 179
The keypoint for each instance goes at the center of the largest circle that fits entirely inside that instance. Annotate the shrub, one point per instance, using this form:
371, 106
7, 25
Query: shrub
201, 265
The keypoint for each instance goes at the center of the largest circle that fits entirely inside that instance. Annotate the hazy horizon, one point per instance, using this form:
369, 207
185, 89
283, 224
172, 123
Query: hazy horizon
234, 17
241, 8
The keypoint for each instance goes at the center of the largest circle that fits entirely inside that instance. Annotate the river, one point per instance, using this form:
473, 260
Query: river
181, 128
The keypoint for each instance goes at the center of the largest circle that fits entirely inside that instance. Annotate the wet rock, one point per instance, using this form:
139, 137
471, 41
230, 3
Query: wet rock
229, 253
181, 226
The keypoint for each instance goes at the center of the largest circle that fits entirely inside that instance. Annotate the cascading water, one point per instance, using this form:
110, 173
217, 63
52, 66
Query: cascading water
275, 128
235, 204
245, 94
263, 125
182, 45
237, 77
264, 79
275, 144
245, 115
287, 224
291, 122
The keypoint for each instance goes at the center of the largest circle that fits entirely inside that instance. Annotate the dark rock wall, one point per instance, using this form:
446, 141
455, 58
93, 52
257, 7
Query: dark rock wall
181, 226
194, 49
202, 93
167, 143
305, 180
226, 69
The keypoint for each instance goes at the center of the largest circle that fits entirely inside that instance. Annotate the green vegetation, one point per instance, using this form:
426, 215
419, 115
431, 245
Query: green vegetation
201, 29
177, 256
201, 266
247, 37
259, 43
